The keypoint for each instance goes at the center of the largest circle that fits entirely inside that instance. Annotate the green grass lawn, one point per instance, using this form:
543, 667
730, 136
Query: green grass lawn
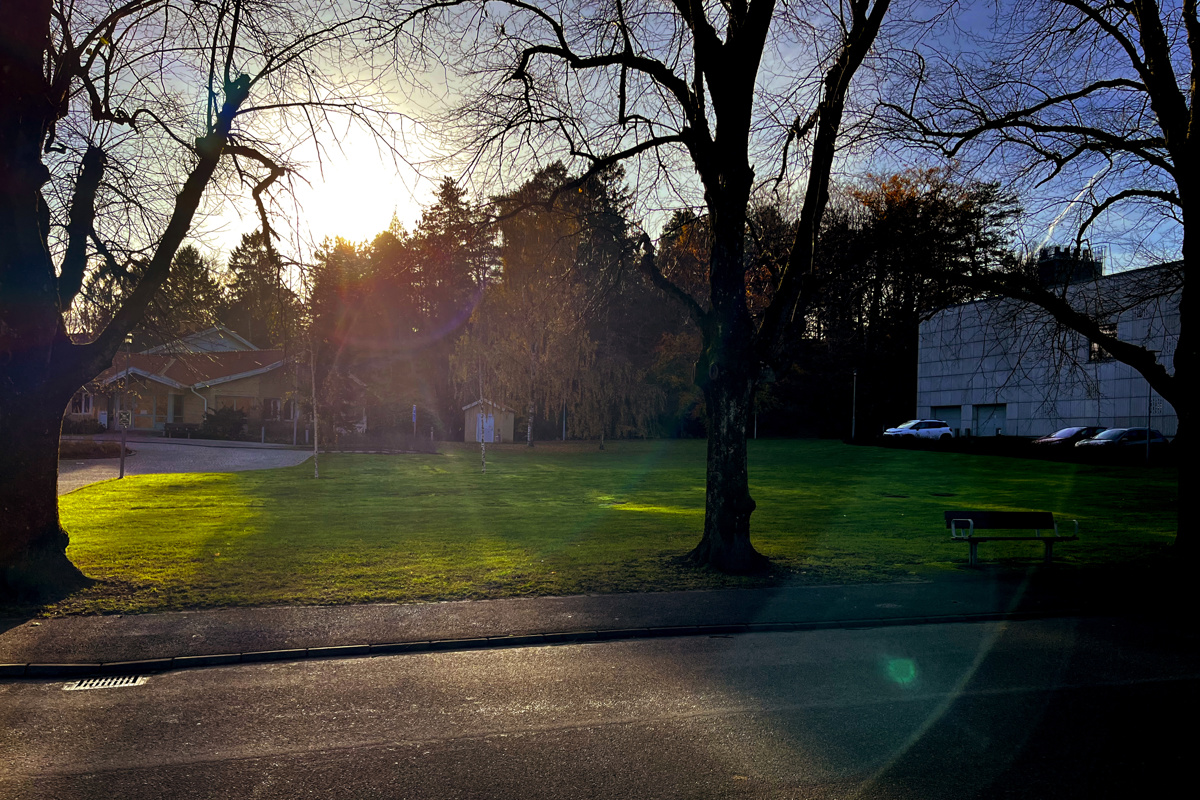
564, 519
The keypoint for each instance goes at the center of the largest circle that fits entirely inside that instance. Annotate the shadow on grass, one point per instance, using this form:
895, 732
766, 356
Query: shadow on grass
559, 521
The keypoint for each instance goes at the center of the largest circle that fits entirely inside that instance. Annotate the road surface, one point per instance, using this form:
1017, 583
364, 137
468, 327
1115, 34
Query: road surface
152, 457
1092, 707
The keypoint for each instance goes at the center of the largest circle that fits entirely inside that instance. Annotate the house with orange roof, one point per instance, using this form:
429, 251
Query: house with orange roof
181, 381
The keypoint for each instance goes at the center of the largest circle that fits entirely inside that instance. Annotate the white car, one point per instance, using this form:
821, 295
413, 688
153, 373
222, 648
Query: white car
921, 429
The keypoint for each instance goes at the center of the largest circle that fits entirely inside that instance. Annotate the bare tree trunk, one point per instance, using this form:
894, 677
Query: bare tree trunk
33, 558
532, 382
728, 377
1185, 362
727, 501
482, 438
529, 426
32, 543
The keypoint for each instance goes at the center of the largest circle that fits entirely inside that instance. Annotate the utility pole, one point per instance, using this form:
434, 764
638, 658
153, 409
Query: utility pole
312, 366
854, 404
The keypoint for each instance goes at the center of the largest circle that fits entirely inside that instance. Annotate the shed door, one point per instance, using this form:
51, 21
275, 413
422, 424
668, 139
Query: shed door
485, 427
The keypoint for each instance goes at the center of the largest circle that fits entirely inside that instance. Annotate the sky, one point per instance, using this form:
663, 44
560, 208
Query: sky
353, 194
357, 190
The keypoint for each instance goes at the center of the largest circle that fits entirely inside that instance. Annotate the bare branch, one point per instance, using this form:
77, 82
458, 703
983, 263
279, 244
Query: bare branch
80, 227
648, 265
796, 275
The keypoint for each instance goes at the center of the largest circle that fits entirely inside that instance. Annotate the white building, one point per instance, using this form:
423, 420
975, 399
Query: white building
1001, 367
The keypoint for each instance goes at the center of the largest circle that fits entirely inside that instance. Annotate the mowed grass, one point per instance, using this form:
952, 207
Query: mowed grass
567, 519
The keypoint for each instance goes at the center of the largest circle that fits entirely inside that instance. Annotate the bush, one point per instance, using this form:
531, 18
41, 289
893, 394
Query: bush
224, 423
82, 427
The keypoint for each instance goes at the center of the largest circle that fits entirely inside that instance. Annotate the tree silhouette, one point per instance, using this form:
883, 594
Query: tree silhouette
1095, 102
118, 116
679, 84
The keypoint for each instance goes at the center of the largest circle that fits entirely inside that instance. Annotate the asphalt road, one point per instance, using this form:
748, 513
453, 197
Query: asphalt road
152, 457
1093, 707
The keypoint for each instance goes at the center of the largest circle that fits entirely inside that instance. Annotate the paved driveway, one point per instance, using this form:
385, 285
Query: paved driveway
154, 457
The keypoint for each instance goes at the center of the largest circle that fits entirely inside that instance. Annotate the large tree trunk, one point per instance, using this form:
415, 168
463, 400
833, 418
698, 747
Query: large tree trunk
727, 375
1185, 363
727, 501
33, 559
39, 367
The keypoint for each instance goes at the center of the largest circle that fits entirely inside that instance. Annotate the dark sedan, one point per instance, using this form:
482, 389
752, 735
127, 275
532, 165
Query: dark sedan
1121, 438
1069, 436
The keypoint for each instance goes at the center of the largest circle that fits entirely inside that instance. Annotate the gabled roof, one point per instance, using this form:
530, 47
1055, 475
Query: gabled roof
193, 370
500, 406
217, 339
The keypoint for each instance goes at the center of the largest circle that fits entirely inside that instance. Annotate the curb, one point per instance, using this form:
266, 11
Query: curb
81, 669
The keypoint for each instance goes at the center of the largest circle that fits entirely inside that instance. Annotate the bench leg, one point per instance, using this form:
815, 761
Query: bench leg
1049, 550
974, 554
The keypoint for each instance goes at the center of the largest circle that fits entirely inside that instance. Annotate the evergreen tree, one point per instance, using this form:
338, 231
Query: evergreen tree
262, 307
451, 258
191, 299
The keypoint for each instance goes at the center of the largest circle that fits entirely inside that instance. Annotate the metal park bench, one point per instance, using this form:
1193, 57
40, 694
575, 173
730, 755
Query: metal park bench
964, 524
171, 428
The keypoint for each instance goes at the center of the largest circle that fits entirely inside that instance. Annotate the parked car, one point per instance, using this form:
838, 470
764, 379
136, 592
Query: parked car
920, 429
1067, 437
1123, 439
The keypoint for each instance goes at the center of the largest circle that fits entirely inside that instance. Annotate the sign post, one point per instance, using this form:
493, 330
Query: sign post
125, 415
124, 419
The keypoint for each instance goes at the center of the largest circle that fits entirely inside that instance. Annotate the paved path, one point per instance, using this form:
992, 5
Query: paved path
80, 644
153, 457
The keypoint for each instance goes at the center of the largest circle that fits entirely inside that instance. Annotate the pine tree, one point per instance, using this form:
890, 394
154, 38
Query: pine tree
262, 307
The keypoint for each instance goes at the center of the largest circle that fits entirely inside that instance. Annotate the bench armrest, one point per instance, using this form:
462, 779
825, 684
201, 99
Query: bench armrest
956, 528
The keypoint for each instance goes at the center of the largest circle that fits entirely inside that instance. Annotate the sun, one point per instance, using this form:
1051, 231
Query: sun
357, 193
352, 192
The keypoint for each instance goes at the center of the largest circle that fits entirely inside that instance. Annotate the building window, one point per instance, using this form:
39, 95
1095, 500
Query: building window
243, 404
271, 408
1095, 351
81, 403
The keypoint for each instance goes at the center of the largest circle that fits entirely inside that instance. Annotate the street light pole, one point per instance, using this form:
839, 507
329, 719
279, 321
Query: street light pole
312, 367
854, 405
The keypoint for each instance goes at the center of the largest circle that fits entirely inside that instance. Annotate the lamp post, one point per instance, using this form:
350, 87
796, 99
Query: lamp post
854, 404
312, 367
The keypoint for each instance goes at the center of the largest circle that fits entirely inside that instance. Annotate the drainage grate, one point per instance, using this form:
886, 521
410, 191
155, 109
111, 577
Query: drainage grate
111, 682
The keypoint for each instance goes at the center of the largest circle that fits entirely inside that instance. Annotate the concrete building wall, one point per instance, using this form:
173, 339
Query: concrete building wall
1002, 365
